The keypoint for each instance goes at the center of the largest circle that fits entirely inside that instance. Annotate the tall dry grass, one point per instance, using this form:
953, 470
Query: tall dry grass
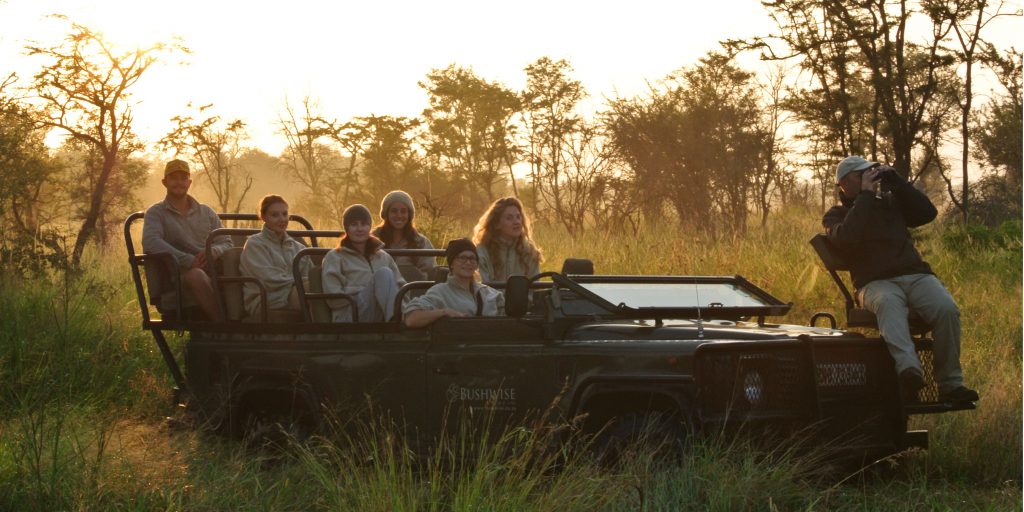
84, 390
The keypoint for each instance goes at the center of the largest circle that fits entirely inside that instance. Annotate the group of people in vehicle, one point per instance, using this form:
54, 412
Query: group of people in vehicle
359, 267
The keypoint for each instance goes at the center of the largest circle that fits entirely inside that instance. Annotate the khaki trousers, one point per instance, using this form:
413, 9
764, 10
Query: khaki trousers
891, 300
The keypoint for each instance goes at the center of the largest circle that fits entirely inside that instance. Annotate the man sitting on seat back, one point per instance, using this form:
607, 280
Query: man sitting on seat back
870, 229
179, 225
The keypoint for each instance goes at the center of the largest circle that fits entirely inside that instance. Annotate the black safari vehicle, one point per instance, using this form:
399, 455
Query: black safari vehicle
697, 350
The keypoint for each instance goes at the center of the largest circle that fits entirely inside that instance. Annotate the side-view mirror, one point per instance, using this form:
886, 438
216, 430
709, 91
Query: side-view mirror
578, 266
517, 296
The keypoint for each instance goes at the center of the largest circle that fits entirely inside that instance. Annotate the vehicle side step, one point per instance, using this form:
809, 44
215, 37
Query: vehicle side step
915, 439
938, 407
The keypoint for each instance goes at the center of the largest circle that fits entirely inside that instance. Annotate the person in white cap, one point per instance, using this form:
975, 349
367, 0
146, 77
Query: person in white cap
179, 225
870, 228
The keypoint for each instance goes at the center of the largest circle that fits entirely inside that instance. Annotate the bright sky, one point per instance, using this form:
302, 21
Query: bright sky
366, 57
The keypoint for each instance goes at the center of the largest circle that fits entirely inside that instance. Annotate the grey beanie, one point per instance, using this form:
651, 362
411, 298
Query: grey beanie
354, 213
400, 196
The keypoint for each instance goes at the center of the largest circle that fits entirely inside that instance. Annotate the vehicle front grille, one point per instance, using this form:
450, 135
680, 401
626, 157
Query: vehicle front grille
736, 385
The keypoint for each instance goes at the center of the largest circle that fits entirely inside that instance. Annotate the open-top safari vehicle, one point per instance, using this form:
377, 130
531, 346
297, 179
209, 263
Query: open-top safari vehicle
695, 351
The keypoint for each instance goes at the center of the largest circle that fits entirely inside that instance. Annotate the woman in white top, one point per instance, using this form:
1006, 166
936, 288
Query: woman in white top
268, 256
360, 268
460, 296
502, 238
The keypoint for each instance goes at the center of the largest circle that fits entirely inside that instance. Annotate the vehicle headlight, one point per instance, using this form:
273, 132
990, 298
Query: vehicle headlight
753, 387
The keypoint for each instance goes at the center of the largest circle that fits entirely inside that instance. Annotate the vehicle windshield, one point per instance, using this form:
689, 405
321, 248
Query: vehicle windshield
676, 295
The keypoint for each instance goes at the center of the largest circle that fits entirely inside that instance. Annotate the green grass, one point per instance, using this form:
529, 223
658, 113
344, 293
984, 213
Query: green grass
84, 393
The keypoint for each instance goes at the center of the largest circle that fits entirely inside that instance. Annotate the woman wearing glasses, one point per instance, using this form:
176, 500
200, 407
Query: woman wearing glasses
462, 295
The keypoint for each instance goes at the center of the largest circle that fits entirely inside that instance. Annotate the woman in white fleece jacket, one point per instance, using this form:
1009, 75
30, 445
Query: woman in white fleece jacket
267, 256
359, 267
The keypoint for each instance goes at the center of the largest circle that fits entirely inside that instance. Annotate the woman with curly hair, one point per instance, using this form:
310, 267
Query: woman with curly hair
502, 238
397, 231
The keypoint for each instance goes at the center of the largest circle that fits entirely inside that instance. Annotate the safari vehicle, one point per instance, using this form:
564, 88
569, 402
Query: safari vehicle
696, 351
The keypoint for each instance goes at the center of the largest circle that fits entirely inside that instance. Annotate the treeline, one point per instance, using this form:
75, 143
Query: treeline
712, 146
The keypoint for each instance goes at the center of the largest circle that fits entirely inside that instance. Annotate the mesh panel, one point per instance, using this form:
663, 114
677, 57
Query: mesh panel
751, 383
930, 393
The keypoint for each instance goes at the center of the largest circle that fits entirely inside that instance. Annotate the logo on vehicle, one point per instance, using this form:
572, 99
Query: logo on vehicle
494, 398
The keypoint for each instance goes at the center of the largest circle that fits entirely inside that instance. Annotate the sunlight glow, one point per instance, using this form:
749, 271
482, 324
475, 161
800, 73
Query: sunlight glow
362, 58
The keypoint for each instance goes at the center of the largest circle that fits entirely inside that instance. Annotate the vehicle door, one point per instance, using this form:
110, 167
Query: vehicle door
493, 372
378, 376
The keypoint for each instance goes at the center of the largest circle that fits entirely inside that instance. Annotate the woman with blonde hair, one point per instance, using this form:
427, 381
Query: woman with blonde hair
398, 231
502, 238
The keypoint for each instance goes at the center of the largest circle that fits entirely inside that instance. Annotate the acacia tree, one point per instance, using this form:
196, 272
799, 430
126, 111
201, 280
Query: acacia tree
469, 128
85, 92
26, 200
389, 159
834, 103
967, 18
905, 75
312, 162
996, 131
767, 174
550, 120
694, 144
217, 146
588, 165
344, 179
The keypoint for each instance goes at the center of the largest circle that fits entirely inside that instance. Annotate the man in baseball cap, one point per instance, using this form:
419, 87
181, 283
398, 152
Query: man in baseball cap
850, 164
871, 230
178, 226
176, 166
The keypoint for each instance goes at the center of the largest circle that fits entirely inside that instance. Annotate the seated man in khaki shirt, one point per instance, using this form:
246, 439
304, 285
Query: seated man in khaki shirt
179, 225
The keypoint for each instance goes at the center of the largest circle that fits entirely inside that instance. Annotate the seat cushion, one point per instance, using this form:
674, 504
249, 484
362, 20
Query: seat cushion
318, 308
859, 317
231, 293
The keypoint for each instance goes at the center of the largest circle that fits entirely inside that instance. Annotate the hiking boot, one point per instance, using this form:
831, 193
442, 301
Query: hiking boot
960, 394
911, 383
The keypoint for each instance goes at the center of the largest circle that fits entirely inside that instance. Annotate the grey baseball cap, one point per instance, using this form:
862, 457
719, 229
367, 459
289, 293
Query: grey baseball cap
850, 164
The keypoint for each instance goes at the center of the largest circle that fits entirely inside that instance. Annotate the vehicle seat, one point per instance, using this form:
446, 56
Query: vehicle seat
410, 273
318, 308
438, 274
160, 283
578, 266
856, 315
231, 293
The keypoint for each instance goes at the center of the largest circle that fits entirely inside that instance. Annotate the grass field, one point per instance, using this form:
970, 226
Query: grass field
84, 395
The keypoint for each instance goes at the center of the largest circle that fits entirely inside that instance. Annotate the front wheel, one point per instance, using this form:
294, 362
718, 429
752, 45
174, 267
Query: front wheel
661, 435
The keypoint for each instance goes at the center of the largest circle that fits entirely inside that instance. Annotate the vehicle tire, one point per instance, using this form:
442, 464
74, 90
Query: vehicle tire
275, 429
663, 435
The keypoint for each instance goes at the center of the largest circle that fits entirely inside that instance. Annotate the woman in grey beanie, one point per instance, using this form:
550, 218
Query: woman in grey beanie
398, 231
360, 268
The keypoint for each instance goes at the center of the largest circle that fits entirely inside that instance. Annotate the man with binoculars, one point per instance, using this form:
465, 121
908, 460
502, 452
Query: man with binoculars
870, 229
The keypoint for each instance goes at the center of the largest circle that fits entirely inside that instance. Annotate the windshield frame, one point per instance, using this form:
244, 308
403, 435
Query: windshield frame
773, 306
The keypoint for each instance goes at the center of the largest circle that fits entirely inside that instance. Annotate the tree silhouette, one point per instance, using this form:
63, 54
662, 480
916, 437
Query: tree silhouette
216, 146
85, 92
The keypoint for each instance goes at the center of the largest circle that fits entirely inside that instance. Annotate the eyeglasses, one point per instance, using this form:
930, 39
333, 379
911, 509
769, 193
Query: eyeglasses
466, 259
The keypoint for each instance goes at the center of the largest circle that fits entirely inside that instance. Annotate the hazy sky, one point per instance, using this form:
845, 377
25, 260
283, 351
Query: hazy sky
361, 58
